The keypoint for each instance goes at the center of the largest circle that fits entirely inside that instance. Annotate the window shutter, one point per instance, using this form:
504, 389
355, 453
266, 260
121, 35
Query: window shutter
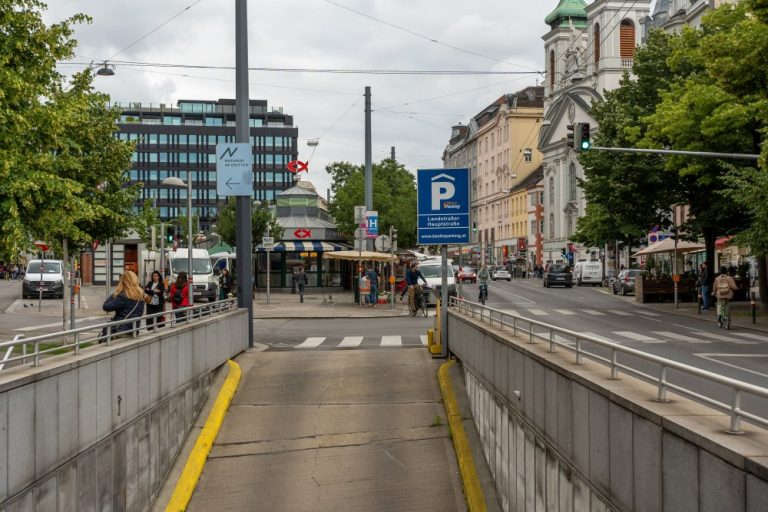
597, 44
627, 39
551, 68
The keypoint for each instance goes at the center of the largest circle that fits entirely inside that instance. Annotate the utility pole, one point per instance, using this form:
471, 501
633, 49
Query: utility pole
368, 160
243, 222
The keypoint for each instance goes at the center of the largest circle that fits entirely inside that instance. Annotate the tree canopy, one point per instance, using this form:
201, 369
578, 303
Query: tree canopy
394, 197
261, 217
62, 172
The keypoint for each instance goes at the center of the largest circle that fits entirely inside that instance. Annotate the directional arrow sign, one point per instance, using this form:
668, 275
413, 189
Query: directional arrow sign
234, 169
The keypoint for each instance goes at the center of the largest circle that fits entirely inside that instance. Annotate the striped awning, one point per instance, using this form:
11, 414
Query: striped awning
306, 246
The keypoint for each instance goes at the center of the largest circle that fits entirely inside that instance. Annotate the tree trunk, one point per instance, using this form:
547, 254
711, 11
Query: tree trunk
709, 241
762, 280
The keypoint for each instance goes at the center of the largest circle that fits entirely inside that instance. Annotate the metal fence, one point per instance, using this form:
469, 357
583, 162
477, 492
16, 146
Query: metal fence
21, 351
614, 357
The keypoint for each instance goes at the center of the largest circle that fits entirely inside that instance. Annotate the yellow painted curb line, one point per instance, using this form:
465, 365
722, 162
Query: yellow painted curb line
196, 461
472, 490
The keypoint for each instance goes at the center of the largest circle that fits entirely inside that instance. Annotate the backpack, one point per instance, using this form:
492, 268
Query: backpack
723, 287
177, 297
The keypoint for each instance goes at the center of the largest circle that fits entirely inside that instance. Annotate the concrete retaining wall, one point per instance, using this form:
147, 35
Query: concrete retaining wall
98, 431
562, 437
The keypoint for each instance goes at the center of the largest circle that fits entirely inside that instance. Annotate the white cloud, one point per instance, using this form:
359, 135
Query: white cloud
315, 34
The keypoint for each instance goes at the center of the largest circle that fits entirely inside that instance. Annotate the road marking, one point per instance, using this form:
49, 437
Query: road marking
637, 337
679, 337
351, 341
511, 312
619, 312
720, 337
601, 338
564, 341
538, 312
751, 336
423, 339
501, 290
648, 313
54, 324
565, 311
593, 312
712, 357
391, 341
311, 342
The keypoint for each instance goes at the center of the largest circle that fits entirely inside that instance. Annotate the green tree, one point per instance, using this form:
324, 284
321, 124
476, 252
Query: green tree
394, 197
62, 172
261, 217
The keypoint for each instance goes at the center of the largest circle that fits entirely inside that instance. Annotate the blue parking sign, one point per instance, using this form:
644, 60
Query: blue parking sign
443, 206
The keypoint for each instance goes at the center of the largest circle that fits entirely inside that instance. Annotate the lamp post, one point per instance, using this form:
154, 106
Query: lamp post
177, 182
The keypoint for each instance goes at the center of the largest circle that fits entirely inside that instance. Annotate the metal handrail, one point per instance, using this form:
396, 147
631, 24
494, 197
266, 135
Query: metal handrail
74, 339
548, 335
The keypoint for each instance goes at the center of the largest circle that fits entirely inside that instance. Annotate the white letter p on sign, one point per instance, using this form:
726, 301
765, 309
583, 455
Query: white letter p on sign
441, 190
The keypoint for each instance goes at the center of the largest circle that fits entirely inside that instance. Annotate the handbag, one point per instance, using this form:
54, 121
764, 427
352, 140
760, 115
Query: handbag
148, 298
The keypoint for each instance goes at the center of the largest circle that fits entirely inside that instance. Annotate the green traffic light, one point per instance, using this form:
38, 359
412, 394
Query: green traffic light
585, 144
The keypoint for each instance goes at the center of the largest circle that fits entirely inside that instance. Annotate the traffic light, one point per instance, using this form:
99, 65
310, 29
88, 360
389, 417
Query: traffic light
584, 142
569, 135
474, 227
170, 232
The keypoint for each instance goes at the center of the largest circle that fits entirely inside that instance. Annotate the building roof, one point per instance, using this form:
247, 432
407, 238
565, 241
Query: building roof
531, 180
568, 11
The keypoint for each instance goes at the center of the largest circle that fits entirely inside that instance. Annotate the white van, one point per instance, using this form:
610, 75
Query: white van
432, 271
43, 275
588, 272
205, 283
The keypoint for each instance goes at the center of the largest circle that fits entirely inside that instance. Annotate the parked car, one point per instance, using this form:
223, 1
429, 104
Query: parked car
432, 270
43, 275
500, 273
559, 275
588, 272
625, 283
466, 274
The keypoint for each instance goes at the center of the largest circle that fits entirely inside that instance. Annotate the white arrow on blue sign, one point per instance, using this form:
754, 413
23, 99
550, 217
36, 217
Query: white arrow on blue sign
443, 206
234, 169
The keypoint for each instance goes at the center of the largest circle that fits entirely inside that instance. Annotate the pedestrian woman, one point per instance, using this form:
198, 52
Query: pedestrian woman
155, 292
179, 295
127, 301
225, 284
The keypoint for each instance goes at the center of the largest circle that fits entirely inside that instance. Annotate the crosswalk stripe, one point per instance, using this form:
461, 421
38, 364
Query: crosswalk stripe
565, 311
512, 311
619, 312
720, 337
637, 336
538, 312
424, 339
311, 342
391, 341
679, 337
351, 341
593, 312
647, 313
751, 336
602, 338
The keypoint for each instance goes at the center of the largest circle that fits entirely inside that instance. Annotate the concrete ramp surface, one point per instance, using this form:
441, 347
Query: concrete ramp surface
333, 430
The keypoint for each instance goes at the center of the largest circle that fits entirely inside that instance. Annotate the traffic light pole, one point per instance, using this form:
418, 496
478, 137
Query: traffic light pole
703, 154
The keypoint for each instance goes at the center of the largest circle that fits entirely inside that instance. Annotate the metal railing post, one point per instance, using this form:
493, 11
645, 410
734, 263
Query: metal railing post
614, 367
735, 411
77, 343
36, 359
578, 351
514, 326
552, 348
662, 396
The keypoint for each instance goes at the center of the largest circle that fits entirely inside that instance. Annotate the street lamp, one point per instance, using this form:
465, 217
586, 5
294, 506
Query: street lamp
173, 181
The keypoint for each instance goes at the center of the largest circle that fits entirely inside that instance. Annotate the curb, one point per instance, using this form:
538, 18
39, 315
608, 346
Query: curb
187, 482
472, 489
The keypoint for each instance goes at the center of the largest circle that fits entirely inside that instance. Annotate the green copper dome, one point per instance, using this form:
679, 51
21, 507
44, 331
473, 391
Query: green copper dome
567, 11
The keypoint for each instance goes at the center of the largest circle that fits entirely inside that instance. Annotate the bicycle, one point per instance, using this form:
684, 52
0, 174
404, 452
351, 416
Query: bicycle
418, 301
483, 293
724, 314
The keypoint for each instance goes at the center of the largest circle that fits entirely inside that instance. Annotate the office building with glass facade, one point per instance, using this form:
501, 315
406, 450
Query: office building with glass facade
181, 141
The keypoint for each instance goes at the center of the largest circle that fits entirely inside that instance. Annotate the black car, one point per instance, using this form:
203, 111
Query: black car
558, 275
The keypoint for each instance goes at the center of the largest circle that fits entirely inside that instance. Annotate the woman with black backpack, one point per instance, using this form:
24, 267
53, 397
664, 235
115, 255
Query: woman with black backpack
179, 295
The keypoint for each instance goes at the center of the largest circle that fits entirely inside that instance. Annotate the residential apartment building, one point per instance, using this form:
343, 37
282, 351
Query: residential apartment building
181, 141
526, 219
499, 147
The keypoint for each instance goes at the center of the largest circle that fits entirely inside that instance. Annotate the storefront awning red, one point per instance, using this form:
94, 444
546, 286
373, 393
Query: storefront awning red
721, 243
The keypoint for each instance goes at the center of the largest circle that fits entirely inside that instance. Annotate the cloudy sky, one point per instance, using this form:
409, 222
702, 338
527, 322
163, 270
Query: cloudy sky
412, 113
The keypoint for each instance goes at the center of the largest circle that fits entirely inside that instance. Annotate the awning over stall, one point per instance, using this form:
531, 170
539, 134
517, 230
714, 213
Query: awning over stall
305, 246
359, 256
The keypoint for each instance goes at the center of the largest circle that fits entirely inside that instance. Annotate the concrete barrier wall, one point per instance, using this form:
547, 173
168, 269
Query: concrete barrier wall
99, 431
562, 437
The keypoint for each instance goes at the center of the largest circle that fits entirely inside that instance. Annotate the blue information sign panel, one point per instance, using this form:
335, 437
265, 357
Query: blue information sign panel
443, 206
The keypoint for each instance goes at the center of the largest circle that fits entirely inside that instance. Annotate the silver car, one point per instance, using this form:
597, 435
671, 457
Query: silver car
500, 273
625, 283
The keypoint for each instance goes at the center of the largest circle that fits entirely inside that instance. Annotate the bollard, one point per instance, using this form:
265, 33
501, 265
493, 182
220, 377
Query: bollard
754, 309
698, 301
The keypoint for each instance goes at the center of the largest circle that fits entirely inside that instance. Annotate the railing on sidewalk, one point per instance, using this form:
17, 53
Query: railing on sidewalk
74, 339
574, 342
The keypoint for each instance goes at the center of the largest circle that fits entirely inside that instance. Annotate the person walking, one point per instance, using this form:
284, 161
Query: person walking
705, 287
225, 284
127, 301
179, 295
155, 291
373, 280
300, 278
723, 289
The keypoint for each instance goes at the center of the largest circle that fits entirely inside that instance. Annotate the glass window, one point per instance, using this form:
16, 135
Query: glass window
172, 120
151, 138
153, 157
269, 159
153, 175
163, 157
193, 140
163, 138
269, 142
213, 121
193, 158
211, 140
254, 122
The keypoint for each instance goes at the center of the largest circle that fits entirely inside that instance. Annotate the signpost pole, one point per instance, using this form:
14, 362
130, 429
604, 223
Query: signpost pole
269, 264
368, 159
67, 283
444, 302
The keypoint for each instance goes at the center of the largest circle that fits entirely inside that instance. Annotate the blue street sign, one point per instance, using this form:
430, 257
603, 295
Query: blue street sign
372, 224
443, 206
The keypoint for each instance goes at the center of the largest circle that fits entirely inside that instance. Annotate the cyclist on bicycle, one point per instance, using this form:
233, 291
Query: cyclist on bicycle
723, 289
482, 278
412, 276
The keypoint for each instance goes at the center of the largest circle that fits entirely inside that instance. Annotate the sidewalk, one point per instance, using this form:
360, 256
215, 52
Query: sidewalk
741, 316
315, 305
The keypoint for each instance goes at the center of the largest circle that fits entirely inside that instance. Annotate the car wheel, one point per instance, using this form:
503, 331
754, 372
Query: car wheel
509, 280
569, 286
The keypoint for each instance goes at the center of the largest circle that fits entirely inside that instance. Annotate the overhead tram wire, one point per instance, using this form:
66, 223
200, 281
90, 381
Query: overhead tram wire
426, 37
187, 8
342, 116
